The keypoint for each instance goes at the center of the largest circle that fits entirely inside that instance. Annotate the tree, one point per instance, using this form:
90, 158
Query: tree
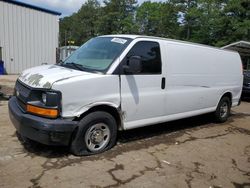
160, 19
236, 22
212, 22
216, 22
117, 17
66, 27
170, 20
82, 25
148, 18
188, 10
208, 20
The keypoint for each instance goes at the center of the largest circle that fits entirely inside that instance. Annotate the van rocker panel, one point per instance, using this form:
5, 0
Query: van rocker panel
43, 130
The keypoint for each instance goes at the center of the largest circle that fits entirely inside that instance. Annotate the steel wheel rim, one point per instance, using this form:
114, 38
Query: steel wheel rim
97, 137
224, 110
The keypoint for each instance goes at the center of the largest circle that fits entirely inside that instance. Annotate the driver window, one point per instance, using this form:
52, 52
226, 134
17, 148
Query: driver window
150, 56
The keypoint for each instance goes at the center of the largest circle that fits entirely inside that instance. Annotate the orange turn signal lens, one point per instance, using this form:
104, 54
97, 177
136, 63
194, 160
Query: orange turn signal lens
53, 113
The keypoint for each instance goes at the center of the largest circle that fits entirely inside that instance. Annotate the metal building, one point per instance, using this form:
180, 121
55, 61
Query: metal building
28, 35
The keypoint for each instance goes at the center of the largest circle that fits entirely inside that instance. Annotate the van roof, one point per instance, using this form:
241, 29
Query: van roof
166, 39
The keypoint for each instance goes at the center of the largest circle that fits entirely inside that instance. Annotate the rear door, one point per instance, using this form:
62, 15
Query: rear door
142, 94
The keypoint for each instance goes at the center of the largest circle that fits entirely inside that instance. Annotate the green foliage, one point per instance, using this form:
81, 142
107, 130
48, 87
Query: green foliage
236, 22
149, 18
81, 26
212, 22
117, 16
158, 19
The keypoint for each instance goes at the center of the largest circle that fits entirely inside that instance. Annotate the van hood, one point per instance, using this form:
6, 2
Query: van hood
44, 76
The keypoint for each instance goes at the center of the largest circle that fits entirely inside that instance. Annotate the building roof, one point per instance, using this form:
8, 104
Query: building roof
32, 7
243, 47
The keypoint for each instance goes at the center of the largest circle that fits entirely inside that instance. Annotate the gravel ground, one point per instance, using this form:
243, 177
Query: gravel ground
7, 83
193, 152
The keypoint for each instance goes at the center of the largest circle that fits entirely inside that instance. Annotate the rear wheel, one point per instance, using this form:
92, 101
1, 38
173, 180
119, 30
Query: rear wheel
97, 133
223, 110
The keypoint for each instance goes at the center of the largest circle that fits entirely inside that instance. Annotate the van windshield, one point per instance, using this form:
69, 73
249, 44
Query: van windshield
97, 54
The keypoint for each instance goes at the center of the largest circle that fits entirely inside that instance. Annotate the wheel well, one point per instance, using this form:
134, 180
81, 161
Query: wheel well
109, 109
229, 95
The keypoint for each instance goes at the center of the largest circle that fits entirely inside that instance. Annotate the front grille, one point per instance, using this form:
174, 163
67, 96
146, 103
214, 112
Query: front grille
22, 94
23, 90
21, 104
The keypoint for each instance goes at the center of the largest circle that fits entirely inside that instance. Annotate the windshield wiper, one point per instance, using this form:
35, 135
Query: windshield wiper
79, 67
75, 65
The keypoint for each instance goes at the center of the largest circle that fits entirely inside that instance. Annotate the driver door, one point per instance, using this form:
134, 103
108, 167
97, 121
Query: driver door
143, 94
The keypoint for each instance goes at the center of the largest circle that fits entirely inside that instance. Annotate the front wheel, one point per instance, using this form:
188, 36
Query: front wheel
223, 110
97, 133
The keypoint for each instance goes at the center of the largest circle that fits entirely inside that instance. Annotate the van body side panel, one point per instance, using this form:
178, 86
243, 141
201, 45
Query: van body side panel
199, 76
83, 92
196, 79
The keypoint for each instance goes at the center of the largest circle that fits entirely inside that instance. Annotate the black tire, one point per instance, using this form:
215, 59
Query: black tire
89, 128
223, 110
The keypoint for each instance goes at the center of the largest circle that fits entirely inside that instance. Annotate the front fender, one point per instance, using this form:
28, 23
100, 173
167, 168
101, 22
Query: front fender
85, 108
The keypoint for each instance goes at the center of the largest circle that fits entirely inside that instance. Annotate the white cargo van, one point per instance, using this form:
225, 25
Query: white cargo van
120, 82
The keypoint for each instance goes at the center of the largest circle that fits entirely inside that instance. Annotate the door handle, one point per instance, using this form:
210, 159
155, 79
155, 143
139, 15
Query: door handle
163, 82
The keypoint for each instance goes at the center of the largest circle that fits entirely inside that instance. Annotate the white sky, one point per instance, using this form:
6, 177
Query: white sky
66, 7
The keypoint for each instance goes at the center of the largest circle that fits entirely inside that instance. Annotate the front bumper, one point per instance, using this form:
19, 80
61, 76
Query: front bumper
43, 130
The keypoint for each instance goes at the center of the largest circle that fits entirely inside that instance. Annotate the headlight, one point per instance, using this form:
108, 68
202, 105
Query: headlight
44, 98
44, 103
50, 99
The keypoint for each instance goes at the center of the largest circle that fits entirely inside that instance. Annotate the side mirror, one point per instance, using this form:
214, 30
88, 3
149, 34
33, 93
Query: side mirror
134, 65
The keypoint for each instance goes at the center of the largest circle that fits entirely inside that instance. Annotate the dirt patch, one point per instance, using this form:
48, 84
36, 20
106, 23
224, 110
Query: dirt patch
6, 90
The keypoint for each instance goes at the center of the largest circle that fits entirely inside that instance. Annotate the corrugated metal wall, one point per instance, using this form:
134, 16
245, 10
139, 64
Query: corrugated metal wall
28, 37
